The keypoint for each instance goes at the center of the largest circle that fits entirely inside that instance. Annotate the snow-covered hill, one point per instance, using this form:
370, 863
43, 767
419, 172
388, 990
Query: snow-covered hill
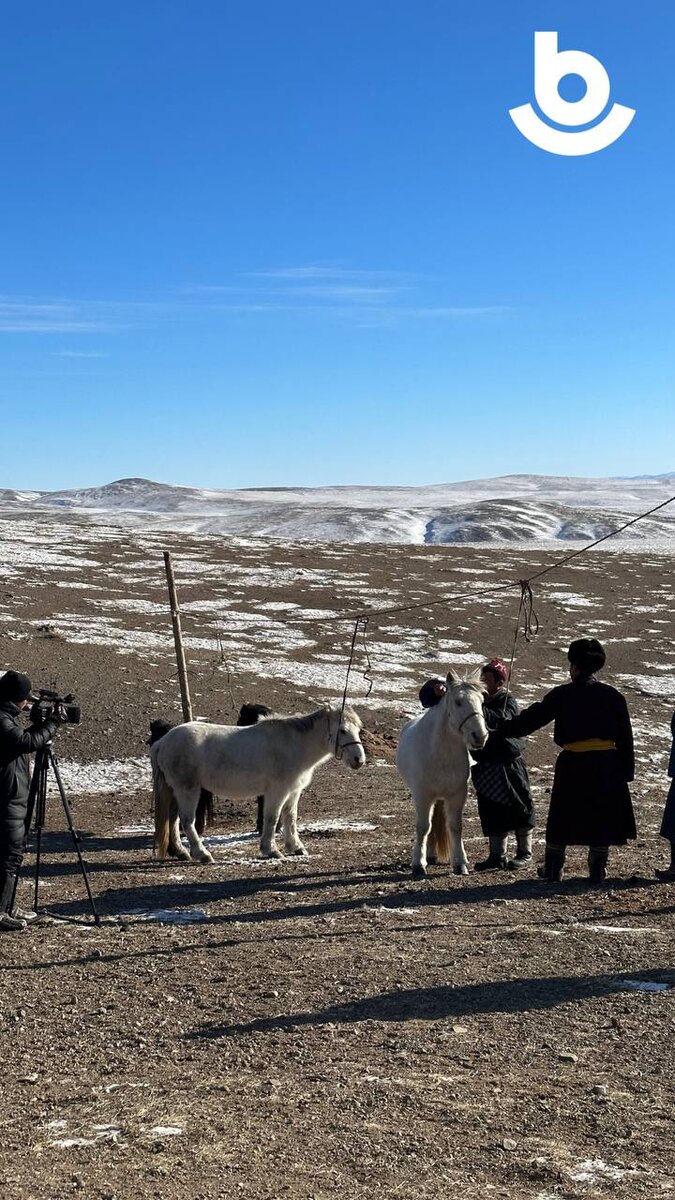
515, 508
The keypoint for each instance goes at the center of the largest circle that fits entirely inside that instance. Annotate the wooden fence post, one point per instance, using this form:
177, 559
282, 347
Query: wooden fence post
178, 639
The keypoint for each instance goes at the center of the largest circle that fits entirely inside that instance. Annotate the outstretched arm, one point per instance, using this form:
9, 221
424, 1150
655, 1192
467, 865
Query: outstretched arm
499, 747
14, 742
530, 719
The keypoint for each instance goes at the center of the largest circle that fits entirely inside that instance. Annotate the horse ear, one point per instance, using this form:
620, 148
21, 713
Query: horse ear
453, 677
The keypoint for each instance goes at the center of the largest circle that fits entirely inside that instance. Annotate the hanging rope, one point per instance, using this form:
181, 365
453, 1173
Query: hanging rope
367, 670
527, 624
352, 649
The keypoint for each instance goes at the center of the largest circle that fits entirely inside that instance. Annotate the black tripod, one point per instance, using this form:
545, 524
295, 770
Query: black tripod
35, 816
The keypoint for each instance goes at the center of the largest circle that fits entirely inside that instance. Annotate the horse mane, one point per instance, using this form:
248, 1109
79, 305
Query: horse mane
352, 717
468, 685
303, 724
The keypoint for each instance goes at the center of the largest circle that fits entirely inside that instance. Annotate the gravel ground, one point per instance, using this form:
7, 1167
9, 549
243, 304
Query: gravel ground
325, 1027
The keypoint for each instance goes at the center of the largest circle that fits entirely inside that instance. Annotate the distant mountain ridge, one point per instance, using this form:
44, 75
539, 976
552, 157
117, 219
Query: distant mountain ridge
510, 509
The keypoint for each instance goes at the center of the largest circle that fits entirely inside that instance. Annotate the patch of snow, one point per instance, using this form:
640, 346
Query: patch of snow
651, 686
571, 599
337, 825
107, 776
595, 1170
614, 928
169, 916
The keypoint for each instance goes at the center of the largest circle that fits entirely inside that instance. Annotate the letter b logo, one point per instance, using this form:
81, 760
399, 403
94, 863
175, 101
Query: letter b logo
550, 66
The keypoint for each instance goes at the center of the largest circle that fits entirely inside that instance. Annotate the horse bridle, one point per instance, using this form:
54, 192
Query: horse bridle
340, 747
468, 718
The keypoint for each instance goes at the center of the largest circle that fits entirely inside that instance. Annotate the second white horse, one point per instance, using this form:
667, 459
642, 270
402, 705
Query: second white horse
433, 758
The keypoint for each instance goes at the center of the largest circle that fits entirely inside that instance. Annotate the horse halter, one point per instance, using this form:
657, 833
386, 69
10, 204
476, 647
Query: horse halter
467, 718
340, 747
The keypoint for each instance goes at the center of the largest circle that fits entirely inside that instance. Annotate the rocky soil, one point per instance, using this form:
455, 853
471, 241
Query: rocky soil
325, 1027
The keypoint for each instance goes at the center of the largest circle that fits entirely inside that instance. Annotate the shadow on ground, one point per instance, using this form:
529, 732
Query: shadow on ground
439, 1003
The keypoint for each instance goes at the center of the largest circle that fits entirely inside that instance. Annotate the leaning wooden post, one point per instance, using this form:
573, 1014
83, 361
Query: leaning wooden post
178, 639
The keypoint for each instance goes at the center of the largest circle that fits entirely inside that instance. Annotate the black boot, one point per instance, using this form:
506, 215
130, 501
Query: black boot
496, 859
494, 862
523, 856
597, 863
554, 864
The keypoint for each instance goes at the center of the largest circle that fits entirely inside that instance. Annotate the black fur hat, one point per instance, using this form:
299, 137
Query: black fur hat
587, 654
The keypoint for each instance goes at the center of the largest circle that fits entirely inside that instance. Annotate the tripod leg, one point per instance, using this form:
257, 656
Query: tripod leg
74, 834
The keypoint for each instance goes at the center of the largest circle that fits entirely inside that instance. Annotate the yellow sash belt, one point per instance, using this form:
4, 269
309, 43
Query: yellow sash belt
590, 744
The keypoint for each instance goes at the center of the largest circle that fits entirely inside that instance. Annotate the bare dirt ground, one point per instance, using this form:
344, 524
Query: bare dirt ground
325, 1027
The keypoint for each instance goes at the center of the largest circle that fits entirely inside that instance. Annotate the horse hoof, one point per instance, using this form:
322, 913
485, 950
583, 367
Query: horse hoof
461, 870
419, 873
271, 853
204, 857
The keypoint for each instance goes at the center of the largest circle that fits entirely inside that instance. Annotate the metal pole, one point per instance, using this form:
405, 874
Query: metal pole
178, 639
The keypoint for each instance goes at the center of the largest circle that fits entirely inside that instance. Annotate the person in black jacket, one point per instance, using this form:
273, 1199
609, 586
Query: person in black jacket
590, 799
668, 823
499, 774
16, 743
501, 780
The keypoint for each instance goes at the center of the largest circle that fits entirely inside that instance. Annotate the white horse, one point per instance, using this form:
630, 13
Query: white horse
433, 758
276, 758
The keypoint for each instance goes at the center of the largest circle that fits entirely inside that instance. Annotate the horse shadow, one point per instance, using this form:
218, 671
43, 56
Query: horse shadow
58, 855
446, 1002
160, 893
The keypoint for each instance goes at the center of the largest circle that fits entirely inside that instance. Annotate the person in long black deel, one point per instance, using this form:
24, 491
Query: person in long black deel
590, 799
16, 743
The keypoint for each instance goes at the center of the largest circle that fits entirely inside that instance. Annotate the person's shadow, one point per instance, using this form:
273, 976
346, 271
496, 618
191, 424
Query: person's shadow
440, 1003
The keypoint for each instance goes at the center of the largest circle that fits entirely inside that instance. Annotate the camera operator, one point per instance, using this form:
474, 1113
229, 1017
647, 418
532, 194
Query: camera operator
16, 743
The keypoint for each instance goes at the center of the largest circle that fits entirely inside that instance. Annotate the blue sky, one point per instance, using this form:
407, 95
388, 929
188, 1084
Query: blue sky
255, 242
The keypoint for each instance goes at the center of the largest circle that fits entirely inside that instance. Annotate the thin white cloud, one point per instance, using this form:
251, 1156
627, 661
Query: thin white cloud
320, 272
81, 354
362, 297
36, 316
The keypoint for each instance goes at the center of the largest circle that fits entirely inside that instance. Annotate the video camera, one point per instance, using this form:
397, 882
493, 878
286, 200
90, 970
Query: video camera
51, 707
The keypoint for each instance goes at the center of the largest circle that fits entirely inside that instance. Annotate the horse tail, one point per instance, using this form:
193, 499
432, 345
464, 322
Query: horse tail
165, 805
204, 815
439, 832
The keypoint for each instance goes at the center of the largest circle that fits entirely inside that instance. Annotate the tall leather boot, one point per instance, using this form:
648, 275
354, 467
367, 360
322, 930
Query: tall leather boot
597, 863
554, 864
524, 853
496, 860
